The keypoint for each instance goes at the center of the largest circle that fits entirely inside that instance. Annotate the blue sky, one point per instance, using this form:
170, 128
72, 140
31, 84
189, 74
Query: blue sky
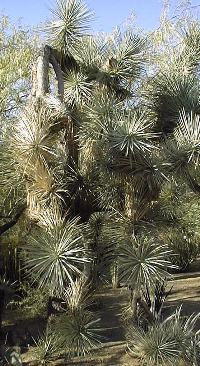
109, 13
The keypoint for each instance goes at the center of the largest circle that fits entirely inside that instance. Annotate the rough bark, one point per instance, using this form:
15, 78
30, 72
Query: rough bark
11, 223
148, 313
40, 74
43, 73
129, 208
58, 73
2, 296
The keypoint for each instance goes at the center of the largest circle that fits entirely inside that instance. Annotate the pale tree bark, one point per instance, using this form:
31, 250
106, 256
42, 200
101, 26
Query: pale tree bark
40, 74
43, 73
59, 75
41, 92
129, 207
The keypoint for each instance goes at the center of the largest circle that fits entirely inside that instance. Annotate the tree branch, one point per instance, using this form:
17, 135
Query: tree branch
58, 72
42, 73
11, 223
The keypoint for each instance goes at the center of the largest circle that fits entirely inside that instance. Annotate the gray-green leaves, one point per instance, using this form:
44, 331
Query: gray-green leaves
143, 263
56, 255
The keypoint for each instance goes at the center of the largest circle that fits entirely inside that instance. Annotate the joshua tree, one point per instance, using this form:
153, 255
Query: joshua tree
93, 150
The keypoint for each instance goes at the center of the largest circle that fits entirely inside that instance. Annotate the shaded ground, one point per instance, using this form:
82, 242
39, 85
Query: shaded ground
112, 303
185, 291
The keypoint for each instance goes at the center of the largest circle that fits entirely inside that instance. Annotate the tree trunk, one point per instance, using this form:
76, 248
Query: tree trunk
115, 276
148, 313
43, 73
11, 223
134, 301
129, 207
2, 298
137, 300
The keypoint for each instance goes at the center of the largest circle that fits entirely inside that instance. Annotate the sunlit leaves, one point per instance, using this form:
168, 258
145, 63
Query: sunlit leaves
47, 346
31, 141
90, 54
191, 44
78, 296
127, 56
19, 45
77, 88
98, 116
132, 133
187, 135
70, 22
182, 152
48, 186
170, 92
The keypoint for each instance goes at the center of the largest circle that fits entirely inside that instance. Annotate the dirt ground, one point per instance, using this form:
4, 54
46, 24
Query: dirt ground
185, 291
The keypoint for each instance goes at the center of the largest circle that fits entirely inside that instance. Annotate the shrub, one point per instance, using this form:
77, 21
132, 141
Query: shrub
184, 248
166, 343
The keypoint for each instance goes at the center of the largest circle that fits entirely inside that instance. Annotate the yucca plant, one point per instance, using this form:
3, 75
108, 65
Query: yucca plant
78, 296
80, 332
47, 347
166, 343
184, 247
156, 298
142, 263
70, 20
55, 255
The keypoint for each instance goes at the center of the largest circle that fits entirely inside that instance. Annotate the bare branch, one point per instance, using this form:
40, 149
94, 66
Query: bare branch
14, 221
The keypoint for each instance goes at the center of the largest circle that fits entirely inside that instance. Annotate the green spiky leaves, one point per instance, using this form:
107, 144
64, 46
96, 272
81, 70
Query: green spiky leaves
143, 263
77, 88
132, 133
183, 150
55, 255
187, 135
166, 343
127, 56
32, 141
70, 22
80, 332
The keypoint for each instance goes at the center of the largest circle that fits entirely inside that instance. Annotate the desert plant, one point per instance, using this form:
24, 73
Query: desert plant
156, 298
121, 123
80, 332
167, 342
47, 347
55, 255
184, 247
78, 296
142, 263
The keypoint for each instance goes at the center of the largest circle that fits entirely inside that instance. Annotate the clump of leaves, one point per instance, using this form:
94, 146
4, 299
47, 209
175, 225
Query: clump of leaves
143, 262
184, 248
78, 295
166, 343
55, 254
48, 346
80, 332
156, 298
